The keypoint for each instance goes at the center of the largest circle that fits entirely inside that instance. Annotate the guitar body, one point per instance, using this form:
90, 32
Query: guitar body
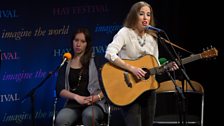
121, 87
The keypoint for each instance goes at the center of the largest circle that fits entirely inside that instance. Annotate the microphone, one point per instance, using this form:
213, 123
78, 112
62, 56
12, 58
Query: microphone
67, 56
149, 27
163, 61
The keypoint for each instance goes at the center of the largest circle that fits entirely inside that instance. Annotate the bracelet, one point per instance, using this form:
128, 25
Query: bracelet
99, 97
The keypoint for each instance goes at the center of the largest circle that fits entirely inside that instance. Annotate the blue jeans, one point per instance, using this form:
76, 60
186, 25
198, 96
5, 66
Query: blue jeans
91, 114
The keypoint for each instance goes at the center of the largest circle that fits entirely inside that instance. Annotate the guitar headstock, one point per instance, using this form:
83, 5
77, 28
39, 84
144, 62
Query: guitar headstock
209, 53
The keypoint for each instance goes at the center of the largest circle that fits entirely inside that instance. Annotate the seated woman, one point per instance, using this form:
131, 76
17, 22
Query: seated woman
78, 82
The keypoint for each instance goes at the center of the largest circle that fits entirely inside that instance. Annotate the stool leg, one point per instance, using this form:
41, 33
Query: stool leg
54, 111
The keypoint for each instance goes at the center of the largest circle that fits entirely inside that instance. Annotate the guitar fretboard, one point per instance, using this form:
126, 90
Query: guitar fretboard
191, 58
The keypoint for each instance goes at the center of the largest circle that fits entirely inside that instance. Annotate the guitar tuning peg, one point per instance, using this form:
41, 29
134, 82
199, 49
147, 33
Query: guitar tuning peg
211, 46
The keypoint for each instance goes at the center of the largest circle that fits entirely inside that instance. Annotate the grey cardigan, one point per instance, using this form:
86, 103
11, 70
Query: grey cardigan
93, 85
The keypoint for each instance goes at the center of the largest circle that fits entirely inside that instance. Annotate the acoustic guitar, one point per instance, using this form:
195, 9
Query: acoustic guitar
122, 87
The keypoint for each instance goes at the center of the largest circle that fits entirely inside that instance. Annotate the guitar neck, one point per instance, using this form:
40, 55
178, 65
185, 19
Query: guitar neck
206, 54
191, 58
161, 69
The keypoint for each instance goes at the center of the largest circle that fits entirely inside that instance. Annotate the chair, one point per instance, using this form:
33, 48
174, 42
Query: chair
166, 109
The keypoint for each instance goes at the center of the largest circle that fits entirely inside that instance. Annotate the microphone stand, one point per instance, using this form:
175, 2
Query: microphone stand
180, 65
181, 99
32, 92
178, 60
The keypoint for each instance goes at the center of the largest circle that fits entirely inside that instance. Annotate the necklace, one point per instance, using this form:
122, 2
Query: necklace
79, 80
141, 41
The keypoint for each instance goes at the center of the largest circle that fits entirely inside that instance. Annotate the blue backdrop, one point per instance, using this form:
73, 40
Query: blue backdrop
35, 35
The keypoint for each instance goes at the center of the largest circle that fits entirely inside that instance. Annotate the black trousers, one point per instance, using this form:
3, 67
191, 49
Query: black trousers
141, 112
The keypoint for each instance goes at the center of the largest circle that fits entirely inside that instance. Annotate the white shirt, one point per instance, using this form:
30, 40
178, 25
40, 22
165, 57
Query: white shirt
126, 45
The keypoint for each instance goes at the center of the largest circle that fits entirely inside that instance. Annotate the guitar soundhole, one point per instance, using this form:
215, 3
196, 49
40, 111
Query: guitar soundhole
147, 75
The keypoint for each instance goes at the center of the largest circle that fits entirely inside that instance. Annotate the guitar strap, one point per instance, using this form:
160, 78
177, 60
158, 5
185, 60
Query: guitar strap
176, 45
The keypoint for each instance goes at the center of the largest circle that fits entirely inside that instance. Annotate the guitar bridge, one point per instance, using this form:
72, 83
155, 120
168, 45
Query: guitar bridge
127, 79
